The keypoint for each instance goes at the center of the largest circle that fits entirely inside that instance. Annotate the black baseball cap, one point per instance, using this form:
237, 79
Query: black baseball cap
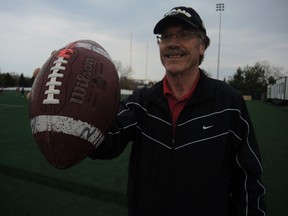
186, 14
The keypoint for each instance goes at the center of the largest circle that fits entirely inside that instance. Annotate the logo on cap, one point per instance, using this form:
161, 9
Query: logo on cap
178, 11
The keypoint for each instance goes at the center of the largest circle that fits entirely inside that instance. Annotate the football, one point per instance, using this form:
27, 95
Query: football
74, 100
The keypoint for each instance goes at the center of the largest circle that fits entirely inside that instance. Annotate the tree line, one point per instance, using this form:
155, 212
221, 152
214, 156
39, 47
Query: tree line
253, 80
250, 80
14, 80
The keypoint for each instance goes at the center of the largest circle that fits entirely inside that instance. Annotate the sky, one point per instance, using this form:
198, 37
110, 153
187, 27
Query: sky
251, 31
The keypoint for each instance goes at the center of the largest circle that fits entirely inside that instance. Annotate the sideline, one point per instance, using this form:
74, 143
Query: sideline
10, 106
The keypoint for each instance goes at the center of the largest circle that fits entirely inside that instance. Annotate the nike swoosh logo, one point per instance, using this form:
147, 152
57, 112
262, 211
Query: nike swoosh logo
207, 127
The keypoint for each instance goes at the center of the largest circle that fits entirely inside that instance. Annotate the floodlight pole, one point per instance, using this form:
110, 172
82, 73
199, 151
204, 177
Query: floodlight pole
131, 51
219, 7
146, 71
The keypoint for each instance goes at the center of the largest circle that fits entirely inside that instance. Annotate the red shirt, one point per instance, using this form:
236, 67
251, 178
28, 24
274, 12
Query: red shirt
175, 105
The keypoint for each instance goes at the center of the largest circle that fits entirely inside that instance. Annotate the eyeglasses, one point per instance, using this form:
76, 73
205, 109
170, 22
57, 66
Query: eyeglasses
181, 36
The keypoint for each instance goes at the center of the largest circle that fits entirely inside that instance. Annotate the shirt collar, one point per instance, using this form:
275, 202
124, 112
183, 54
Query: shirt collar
168, 92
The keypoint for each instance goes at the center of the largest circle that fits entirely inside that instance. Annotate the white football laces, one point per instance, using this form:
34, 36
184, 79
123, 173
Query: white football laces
56, 74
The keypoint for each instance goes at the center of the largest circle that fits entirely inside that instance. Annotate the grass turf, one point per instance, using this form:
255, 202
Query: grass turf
30, 186
271, 127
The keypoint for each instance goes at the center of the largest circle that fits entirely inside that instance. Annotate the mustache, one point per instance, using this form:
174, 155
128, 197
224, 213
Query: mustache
174, 51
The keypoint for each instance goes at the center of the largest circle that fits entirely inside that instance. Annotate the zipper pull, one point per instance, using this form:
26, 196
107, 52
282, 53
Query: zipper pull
173, 143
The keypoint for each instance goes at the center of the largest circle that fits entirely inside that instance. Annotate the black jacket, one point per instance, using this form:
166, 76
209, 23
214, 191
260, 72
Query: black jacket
211, 167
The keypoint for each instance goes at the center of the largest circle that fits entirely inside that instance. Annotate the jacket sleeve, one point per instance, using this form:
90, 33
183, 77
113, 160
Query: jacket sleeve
120, 134
247, 190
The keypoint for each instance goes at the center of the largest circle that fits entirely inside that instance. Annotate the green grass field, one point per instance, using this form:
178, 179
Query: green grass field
30, 186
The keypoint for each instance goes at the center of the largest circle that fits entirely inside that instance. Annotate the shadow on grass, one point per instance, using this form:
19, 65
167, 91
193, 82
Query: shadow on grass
80, 189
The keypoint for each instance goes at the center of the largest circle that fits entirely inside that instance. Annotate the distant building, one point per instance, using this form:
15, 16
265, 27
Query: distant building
278, 92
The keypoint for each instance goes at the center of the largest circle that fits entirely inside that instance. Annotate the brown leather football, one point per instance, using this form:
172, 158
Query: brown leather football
73, 102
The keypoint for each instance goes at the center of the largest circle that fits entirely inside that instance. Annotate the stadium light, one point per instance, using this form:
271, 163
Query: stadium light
219, 7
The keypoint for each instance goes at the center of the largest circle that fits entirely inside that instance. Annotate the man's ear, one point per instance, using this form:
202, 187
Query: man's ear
202, 48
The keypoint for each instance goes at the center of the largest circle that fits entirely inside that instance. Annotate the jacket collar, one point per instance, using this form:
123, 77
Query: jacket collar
204, 90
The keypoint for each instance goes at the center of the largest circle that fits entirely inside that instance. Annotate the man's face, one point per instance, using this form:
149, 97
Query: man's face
178, 55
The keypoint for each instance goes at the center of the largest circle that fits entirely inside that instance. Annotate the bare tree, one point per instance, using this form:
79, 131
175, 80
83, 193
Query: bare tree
123, 72
272, 72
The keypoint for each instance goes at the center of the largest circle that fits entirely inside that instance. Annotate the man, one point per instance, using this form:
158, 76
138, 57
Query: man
194, 151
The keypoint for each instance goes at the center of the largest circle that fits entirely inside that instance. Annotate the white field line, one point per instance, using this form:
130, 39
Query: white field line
10, 106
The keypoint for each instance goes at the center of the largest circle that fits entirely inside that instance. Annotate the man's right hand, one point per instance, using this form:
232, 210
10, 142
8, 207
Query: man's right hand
35, 73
